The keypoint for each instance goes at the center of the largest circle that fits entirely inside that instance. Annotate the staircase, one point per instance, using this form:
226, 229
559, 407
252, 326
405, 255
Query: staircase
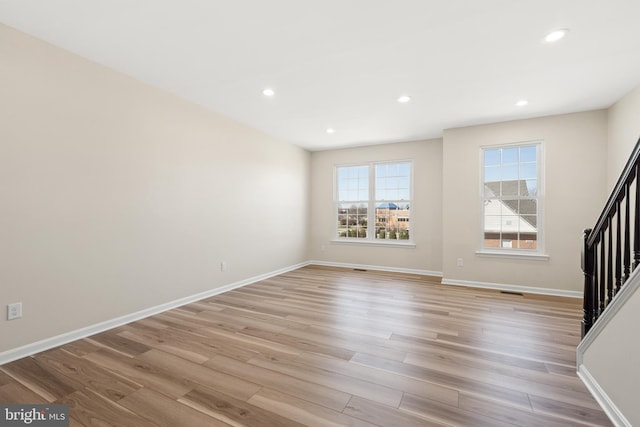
607, 355
611, 250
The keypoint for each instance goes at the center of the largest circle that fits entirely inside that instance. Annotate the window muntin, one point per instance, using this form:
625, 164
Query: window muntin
374, 193
511, 200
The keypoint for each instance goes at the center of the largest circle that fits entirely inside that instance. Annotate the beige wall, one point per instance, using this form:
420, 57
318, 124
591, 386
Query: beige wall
116, 197
575, 146
612, 359
624, 132
426, 209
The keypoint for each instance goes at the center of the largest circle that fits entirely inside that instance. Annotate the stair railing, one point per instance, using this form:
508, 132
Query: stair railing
607, 251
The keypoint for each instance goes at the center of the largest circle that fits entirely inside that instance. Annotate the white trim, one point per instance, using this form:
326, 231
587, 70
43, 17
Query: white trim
377, 268
628, 289
48, 343
517, 254
513, 288
607, 405
365, 242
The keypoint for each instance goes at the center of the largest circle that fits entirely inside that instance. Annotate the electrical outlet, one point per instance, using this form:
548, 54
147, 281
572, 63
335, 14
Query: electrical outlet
460, 262
14, 311
223, 266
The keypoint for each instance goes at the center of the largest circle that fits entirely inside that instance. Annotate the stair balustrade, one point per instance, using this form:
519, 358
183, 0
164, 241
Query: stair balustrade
611, 249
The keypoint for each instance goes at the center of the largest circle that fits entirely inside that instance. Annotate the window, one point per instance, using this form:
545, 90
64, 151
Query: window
511, 197
372, 202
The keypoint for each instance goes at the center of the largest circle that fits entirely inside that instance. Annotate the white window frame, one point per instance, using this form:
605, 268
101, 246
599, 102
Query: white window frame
539, 252
371, 207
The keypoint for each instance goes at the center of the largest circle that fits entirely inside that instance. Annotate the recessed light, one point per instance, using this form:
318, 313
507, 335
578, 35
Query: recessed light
556, 35
404, 99
268, 92
330, 130
522, 103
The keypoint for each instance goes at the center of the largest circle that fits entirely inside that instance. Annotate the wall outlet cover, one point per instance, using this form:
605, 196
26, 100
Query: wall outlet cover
14, 311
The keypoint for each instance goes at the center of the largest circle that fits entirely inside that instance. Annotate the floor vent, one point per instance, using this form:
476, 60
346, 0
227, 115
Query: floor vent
512, 293
359, 269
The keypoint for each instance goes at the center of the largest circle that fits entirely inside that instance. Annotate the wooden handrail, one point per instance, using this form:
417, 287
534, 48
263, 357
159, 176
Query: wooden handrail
627, 173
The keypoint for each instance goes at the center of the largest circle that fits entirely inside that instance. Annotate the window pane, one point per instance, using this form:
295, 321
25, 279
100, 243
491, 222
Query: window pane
353, 183
403, 182
393, 221
528, 153
393, 181
492, 189
491, 157
532, 187
510, 155
529, 224
492, 173
509, 172
528, 207
509, 224
493, 207
528, 241
528, 171
492, 225
510, 188
343, 219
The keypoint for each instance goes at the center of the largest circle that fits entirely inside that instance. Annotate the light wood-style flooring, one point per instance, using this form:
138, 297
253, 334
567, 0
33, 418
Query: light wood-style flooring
325, 347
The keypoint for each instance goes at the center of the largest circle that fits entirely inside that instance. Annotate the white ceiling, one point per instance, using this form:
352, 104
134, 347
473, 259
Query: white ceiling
343, 63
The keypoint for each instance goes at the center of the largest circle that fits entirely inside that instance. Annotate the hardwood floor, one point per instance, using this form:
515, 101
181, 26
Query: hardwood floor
325, 347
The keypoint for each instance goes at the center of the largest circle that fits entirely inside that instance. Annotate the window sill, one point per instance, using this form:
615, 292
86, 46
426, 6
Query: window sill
515, 255
399, 243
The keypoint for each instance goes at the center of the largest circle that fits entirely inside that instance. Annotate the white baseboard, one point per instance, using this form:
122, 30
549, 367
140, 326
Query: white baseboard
513, 288
377, 268
607, 405
49, 343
